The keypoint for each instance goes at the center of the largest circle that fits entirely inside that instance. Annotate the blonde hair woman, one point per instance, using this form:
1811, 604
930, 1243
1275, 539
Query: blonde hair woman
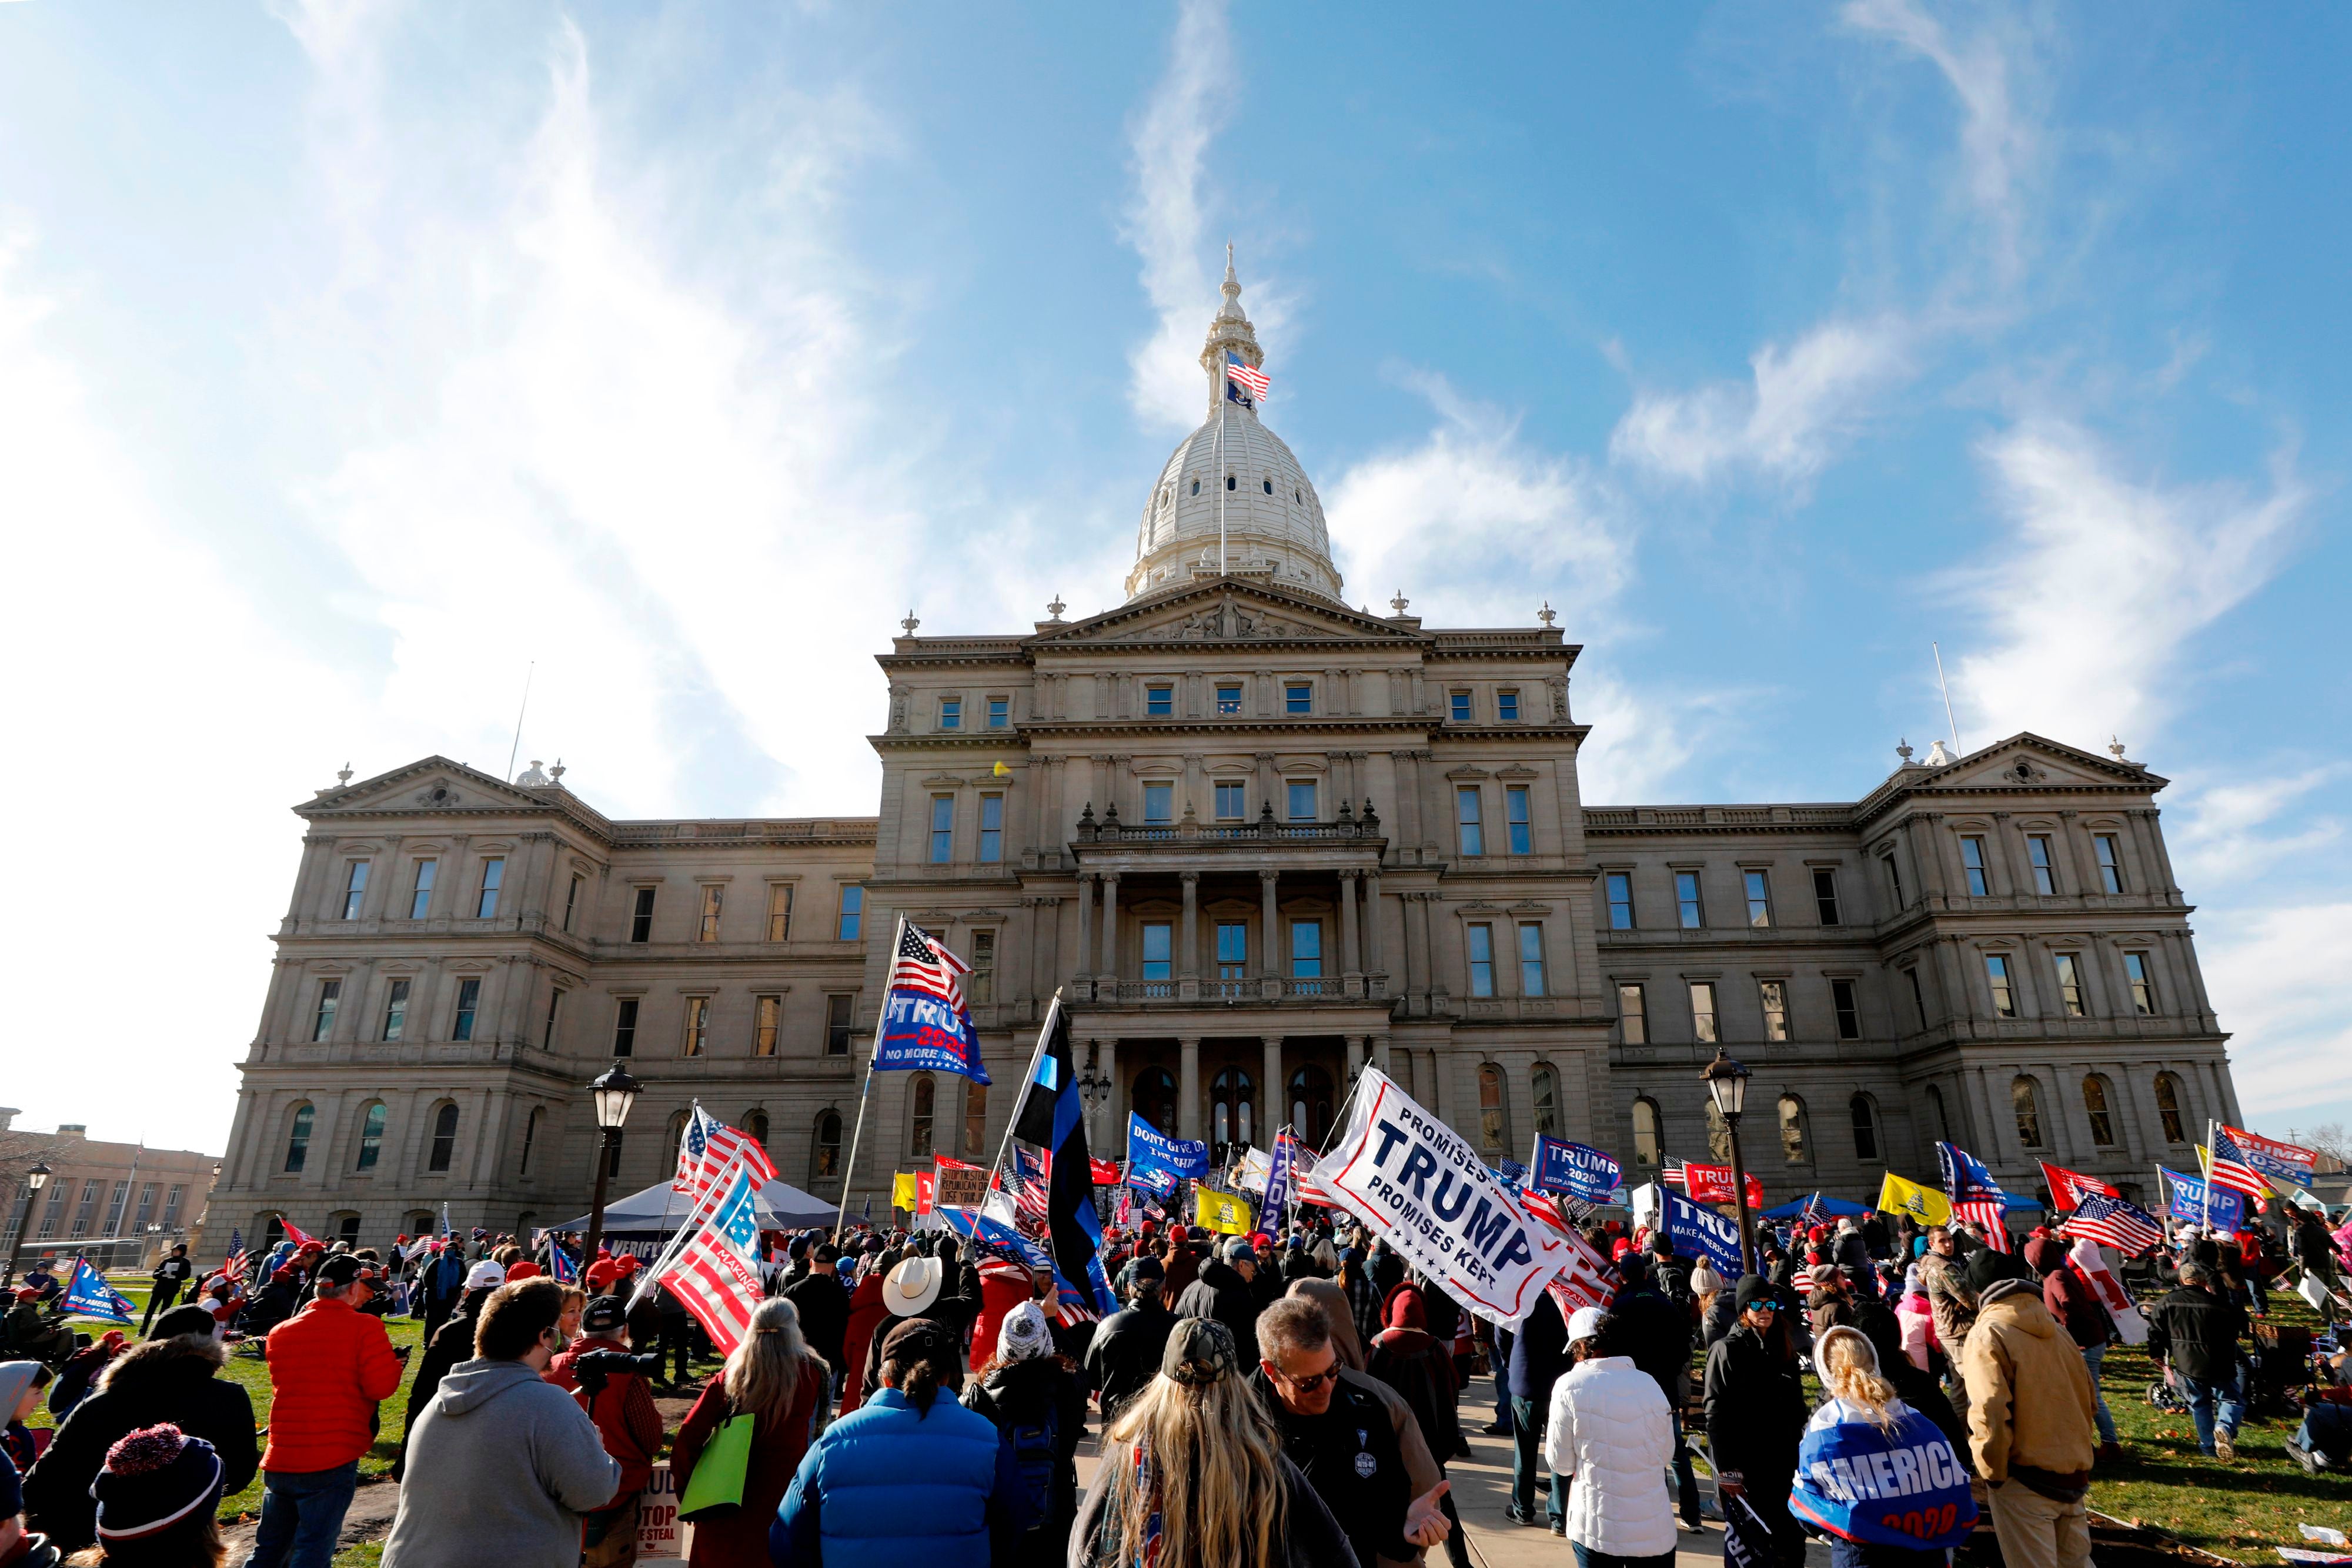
1863, 1435
773, 1378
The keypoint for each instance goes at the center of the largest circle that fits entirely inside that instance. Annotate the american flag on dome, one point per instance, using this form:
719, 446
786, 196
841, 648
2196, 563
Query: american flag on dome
716, 1276
1252, 382
2112, 1222
709, 1149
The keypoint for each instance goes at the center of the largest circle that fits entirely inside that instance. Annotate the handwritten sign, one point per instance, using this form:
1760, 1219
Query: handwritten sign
960, 1186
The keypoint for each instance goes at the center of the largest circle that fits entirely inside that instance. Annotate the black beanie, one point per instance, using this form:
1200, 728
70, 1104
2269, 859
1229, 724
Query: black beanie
153, 1479
1988, 1268
1755, 1287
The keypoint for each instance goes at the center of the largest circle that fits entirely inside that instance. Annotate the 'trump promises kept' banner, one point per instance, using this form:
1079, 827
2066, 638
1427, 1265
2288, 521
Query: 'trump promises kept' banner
1572, 1170
1425, 1190
1147, 1150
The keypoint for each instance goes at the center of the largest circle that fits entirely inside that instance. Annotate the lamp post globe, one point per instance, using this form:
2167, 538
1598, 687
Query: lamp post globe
614, 1092
34, 1180
1727, 1089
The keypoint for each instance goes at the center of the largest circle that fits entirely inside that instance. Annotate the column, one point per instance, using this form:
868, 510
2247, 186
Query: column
1110, 1116
1355, 1056
1188, 1087
1927, 849
1273, 1106
1188, 957
1270, 920
1086, 924
1380, 1057
1372, 965
1110, 924
1351, 956
1420, 938
2078, 854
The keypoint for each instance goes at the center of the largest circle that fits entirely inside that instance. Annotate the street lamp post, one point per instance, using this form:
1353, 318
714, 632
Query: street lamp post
34, 1180
1726, 1085
613, 1091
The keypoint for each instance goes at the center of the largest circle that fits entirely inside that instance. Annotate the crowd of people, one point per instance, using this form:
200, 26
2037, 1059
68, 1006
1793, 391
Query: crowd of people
1263, 1400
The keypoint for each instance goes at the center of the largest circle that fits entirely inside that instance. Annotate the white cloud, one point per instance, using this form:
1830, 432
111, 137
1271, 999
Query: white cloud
1165, 221
2100, 584
2276, 978
2217, 839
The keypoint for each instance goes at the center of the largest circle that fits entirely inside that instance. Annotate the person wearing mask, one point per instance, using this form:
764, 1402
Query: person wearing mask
157, 1502
1607, 1434
1538, 1357
848, 1503
1339, 1437
330, 1364
1862, 1424
171, 1277
168, 1379
1192, 1472
1756, 1414
1125, 1356
2195, 1329
2074, 1302
2031, 1426
1222, 1291
505, 1464
775, 1378
1031, 1393
598, 1370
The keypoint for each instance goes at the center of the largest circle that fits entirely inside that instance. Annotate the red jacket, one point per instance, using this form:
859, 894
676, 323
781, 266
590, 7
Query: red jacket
866, 1314
329, 1366
1003, 1286
625, 1413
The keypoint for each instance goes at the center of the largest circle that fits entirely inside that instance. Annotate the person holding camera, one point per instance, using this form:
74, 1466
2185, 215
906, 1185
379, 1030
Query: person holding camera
611, 1386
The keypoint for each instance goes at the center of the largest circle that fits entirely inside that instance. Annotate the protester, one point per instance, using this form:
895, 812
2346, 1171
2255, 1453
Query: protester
603, 1377
21, 1383
1646, 1325
329, 1366
917, 1289
2195, 1330
171, 1276
157, 1501
452, 1342
773, 1378
81, 1372
444, 1279
167, 1380
1861, 1420
1951, 1302
1917, 1323
1192, 1472
29, 1335
2073, 1301
1538, 1357
823, 1307
850, 1502
1125, 1356
866, 1314
2031, 1422
1222, 1291
1607, 1434
1032, 1394
1363, 1301
1756, 1415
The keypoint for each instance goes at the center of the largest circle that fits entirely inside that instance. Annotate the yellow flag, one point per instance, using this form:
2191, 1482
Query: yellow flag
1225, 1212
902, 1192
1002, 771
1924, 1204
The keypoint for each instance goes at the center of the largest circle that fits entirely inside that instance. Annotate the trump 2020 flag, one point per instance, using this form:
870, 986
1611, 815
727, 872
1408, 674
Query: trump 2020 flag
1051, 1116
1965, 1175
1571, 1170
2191, 1198
89, 1296
1278, 1176
1695, 1230
926, 1024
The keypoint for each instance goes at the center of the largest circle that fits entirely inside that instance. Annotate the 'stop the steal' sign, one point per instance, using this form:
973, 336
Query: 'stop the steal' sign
1425, 1191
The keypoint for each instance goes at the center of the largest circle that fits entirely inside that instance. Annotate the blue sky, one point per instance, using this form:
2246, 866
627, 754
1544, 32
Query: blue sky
353, 357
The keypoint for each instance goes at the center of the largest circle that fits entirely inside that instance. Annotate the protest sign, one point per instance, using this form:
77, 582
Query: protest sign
662, 1536
1148, 1151
959, 1187
1425, 1191
1695, 1230
1571, 1170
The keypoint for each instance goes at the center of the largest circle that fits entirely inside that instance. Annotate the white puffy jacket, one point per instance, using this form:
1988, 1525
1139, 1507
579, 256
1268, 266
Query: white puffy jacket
1611, 1429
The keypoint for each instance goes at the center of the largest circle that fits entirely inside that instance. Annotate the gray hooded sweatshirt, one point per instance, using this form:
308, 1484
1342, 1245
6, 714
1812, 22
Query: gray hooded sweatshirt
500, 1468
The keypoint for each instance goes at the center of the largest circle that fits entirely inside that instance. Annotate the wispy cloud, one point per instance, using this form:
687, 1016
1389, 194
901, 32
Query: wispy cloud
2276, 976
2223, 834
1166, 222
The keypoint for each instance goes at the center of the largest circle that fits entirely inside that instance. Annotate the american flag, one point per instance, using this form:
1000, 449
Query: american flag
709, 1150
2112, 1222
1512, 1171
1546, 1207
1985, 1214
2229, 1168
233, 1267
559, 1265
1586, 1279
1032, 1182
716, 1276
2068, 1187
923, 964
1248, 377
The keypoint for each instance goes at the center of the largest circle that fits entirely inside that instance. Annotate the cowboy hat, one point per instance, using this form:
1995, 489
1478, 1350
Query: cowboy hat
912, 1286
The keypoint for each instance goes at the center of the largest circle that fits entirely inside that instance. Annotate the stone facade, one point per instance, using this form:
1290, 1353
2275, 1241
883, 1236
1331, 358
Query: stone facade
122, 1204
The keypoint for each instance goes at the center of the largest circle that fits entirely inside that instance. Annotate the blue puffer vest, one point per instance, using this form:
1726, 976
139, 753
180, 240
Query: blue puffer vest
895, 1488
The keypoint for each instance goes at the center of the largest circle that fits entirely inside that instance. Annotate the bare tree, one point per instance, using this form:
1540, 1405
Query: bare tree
2329, 1140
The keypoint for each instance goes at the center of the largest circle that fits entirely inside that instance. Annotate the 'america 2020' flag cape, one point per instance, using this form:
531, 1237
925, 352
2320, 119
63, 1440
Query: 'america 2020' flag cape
1899, 1487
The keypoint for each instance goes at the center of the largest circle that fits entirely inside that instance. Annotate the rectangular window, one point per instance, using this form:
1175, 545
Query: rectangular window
146, 1204
1702, 1000
992, 827
571, 903
2045, 874
942, 829
1759, 898
2111, 862
1233, 802
767, 1023
1848, 1008
1894, 879
625, 1026
547, 1030
1507, 705
1531, 958
1482, 960
395, 1010
1229, 698
853, 913
713, 895
331, 996
697, 1026
2070, 984
780, 912
980, 985
494, 871
1774, 995
1621, 900
1458, 704
951, 713
1515, 812
840, 1011
1159, 804
641, 916
1918, 997
420, 896
1160, 702
1465, 808
115, 1205
89, 1206
172, 1207
1302, 799
1972, 862
999, 713
469, 1000
354, 889
1307, 949
2004, 999
1632, 1015
1687, 907
2143, 992
1298, 697
1825, 898
1159, 950
1232, 950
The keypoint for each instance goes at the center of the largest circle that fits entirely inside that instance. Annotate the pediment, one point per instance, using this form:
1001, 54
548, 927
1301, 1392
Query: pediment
1226, 612
2028, 761
429, 785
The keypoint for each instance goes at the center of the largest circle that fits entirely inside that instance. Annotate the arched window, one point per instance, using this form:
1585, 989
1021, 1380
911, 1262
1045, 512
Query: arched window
1196, 487
1547, 1100
445, 1139
1718, 1135
824, 1150
1793, 1129
1310, 1104
1936, 1104
274, 1232
531, 1136
1865, 1127
371, 1136
1492, 1131
419, 1222
2095, 1103
975, 1119
1232, 1119
925, 1094
1645, 1132
2028, 1106
1154, 1100
2167, 1107
344, 1228
1270, 486
755, 1123
298, 1137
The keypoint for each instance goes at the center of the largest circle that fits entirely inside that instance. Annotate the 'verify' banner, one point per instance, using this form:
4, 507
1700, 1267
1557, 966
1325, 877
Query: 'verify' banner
1425, 1190
1571, 1170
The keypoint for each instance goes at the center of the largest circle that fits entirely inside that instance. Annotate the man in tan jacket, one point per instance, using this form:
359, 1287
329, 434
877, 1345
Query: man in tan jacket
2030, 1419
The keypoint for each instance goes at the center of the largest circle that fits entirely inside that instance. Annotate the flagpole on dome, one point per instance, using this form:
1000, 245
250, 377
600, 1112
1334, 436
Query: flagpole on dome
865, 1090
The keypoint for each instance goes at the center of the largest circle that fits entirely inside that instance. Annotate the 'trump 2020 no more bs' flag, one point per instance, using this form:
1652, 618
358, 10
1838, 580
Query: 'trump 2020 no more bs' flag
925, 1023
1425, 1192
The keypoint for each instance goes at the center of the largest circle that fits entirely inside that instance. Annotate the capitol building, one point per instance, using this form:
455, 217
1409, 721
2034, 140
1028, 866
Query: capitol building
1257, 838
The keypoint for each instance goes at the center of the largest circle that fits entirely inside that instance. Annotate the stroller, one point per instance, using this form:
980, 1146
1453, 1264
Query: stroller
2167, 1394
